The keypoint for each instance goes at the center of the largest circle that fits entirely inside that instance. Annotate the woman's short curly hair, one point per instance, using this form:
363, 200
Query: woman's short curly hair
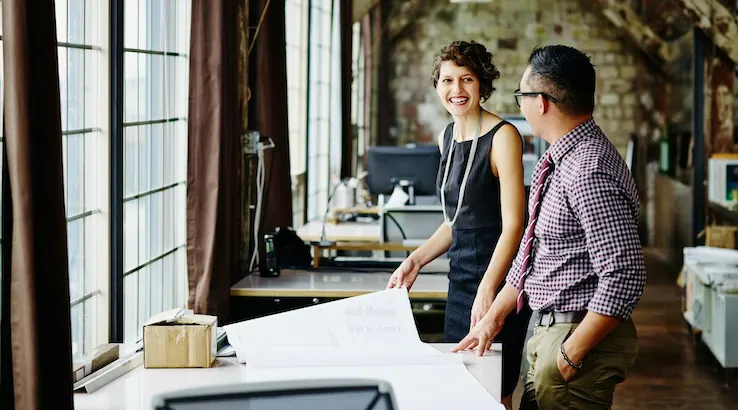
476, 58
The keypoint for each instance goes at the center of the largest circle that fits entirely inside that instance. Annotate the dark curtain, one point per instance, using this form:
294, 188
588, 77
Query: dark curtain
213, 170
6, 353
347, 137
385, 104
268, 109
39, 320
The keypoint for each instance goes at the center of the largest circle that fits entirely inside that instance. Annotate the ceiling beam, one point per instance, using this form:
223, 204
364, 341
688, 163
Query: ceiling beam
622, 16
716, 21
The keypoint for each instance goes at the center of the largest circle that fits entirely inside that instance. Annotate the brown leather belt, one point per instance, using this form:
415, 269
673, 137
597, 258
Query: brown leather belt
550, 317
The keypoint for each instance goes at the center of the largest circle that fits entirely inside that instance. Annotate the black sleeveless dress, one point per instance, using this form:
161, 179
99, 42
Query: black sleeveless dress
474, 237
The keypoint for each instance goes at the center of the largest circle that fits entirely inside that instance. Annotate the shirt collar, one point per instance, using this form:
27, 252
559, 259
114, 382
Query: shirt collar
560, 148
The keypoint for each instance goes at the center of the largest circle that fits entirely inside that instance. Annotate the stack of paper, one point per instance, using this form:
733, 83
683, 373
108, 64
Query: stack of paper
368, 336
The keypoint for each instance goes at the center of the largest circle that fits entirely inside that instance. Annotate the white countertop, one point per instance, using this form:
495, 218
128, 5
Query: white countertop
135, 389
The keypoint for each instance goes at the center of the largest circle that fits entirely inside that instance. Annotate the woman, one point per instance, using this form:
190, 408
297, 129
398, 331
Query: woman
480, 184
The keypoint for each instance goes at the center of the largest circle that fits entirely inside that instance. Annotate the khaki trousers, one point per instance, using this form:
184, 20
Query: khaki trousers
593, 385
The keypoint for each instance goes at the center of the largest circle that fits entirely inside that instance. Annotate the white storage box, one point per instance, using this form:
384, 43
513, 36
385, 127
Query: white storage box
698, 300
712, 299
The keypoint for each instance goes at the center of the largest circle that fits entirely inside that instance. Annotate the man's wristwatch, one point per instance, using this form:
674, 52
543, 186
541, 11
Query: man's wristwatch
569, 362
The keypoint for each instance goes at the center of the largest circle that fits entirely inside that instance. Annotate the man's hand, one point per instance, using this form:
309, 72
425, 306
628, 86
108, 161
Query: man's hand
404, 275
480, 337
593, 328
482, 302
566, 371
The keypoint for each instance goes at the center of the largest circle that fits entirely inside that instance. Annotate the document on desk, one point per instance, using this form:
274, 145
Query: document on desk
369, 330
369, 336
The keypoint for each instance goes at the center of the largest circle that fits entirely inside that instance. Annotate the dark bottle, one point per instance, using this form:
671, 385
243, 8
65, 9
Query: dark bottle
269, 267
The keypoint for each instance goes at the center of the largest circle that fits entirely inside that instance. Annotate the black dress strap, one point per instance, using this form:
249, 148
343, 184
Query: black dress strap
481, 204
498, 126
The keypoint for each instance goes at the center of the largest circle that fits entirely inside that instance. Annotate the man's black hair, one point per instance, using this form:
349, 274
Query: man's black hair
567, 74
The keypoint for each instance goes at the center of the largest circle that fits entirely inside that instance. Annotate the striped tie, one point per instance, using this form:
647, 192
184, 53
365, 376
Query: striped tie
546, 169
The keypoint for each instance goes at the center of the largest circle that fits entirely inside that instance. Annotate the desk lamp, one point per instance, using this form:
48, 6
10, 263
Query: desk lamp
324, 242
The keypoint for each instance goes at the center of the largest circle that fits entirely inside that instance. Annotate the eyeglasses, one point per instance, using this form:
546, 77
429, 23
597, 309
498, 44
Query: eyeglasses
519, 94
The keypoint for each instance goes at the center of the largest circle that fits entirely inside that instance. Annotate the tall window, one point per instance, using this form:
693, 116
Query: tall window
156, 90
319, 107
358, 92
82, 34
335, 142
156, 41
296, 52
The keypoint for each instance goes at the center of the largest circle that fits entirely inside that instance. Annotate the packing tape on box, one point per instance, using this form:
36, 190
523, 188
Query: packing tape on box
181, 335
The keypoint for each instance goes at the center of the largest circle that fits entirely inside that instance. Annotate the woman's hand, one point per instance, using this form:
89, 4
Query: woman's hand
481, 336
482, 302
405, 274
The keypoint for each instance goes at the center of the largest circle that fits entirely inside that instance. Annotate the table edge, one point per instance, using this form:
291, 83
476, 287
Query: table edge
284, 293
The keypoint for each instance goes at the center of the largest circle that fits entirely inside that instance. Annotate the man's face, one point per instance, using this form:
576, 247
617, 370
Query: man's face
529, 105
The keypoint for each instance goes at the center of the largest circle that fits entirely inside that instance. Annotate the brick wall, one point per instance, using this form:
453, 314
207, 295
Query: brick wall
510, 29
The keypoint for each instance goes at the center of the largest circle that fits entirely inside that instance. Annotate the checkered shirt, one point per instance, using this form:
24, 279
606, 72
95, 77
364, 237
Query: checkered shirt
587, 254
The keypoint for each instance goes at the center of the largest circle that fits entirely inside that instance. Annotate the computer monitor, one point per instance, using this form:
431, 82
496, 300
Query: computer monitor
323, 394
386, 165
533, 147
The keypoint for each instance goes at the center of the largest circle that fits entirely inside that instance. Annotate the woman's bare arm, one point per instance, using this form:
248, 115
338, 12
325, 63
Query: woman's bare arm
506, 158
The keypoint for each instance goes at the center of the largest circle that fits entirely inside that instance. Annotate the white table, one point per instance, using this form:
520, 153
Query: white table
135, 389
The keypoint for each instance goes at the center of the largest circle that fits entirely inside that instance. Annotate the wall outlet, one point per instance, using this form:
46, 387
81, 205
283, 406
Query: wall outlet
250, 142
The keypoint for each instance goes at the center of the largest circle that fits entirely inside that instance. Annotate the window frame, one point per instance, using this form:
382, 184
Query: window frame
313, 200
156, 99
95, 218
98, 49
297, 112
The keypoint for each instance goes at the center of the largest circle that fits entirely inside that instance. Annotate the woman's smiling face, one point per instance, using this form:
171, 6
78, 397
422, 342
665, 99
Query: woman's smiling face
458, 89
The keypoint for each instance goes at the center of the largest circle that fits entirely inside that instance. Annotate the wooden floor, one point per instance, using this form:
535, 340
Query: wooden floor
671, 372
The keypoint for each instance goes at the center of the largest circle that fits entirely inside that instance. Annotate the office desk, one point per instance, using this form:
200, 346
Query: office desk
342, 232
134, 390
432, 283
340, 284
411, 226
347, 236
366, 231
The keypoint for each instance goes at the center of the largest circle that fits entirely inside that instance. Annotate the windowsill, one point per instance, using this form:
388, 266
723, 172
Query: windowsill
131, 356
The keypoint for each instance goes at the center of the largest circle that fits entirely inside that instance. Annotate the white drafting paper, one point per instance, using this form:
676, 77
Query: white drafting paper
443, 386
369, 330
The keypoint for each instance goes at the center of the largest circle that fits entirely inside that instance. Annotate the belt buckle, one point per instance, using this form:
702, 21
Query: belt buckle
549, 321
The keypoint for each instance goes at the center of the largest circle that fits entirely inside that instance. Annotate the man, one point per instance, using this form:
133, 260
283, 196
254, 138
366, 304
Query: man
580, 264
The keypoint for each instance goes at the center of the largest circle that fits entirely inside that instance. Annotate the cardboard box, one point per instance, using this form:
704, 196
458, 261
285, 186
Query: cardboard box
98, 358
719, 236
178, 338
